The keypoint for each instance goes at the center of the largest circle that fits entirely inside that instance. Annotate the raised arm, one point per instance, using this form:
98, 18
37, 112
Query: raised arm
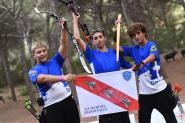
76, 32
115, 35
63, 40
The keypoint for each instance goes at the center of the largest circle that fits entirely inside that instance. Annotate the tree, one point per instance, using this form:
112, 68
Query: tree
14, 9
5, 64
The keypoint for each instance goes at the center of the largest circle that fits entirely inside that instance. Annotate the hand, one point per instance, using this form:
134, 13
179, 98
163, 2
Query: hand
69, 77
118, 21
136, 67
75, 17
62, 22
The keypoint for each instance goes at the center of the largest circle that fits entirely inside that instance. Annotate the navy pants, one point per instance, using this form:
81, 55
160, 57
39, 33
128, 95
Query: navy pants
64, 111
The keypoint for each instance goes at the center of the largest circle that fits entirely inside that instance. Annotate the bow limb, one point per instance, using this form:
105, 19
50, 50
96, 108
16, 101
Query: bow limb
118, 38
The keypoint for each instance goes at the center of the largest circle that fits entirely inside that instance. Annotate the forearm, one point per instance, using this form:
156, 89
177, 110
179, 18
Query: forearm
63, 43
76, 33
149, 59
76, 30
48, 78
43, 78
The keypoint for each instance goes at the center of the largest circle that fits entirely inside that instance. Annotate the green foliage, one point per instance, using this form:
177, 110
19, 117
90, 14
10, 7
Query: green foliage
23, 91
77, 67
165, 19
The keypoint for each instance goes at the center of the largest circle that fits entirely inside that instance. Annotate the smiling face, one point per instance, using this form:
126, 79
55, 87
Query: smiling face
39, 51
99, 40
40, 54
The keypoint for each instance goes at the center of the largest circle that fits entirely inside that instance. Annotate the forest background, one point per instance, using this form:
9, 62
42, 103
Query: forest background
20, 26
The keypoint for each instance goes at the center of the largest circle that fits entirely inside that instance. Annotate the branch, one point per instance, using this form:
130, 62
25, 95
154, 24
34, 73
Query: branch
13, 6
5, 7
19, 10
148, 12
180, 2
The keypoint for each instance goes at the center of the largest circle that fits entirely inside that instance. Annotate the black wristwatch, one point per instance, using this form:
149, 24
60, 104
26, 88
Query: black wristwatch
142, 63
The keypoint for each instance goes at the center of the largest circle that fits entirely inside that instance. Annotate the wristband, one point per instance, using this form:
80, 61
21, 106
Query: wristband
60, 78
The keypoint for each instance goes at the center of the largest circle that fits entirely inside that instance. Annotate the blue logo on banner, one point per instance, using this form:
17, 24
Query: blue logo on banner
127, 75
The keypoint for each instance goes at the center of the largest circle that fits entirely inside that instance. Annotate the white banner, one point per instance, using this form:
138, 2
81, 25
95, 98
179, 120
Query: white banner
107, 93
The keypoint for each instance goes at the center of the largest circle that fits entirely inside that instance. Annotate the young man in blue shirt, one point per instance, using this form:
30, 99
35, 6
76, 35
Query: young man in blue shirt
52, 84
153, 90
103, 60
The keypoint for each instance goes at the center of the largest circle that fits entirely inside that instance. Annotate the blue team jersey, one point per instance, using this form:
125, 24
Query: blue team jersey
51, 93
149, 75
105, 61
139, 53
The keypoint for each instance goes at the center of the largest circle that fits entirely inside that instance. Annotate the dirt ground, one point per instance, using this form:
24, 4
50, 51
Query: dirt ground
14, 112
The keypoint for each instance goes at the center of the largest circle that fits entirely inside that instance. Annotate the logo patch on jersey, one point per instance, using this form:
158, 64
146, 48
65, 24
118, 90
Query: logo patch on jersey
65, 84
153, 48
33, 72
127, 75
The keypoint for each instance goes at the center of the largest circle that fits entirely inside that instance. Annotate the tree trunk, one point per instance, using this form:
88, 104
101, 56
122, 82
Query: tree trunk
29, 44
126, 17
69, 69
5, 63
135, 11
98, 13
55, 30
170, 44
48, 33
21, 31
25, 74
3, 80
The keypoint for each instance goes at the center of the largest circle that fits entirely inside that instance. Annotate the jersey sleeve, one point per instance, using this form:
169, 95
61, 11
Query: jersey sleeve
124, 63
127, 51
88, 54
60, 60
33, 75
153, 49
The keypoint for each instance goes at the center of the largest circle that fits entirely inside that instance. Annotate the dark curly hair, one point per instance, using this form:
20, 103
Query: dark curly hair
136, 27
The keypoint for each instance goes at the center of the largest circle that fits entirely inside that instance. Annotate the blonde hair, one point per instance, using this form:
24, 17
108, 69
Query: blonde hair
38, 44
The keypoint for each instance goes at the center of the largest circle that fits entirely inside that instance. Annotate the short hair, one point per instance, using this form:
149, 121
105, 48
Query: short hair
135, 27
38, 44
101, 30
